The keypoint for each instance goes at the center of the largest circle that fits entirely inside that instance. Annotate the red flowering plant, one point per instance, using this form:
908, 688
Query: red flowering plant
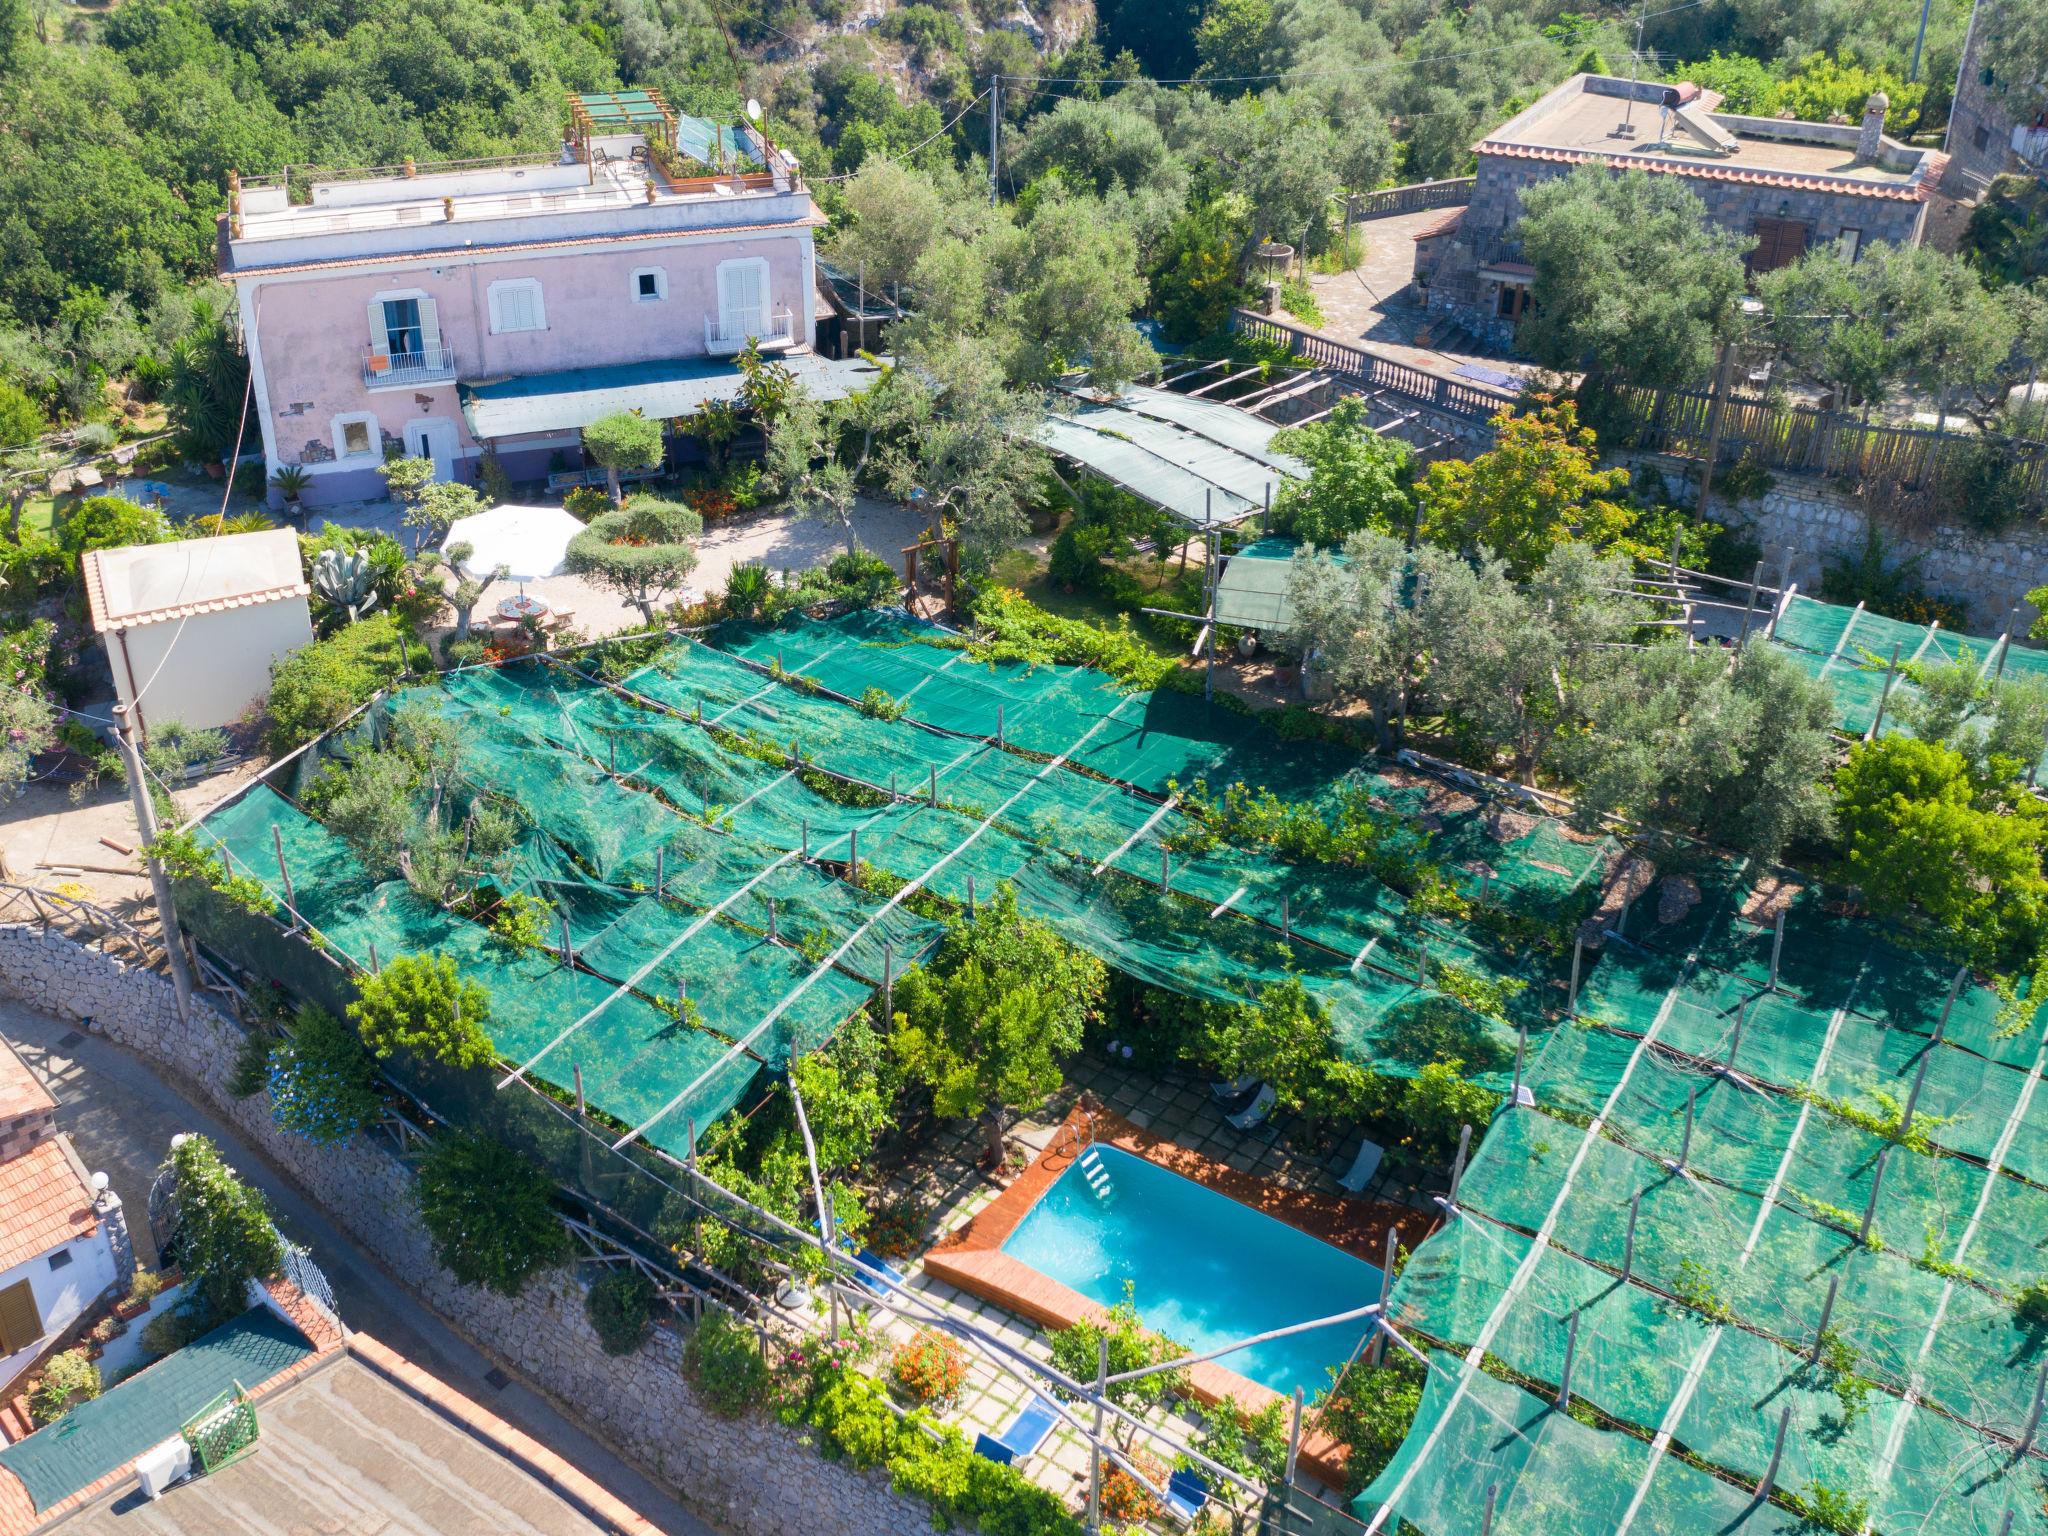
930, 1368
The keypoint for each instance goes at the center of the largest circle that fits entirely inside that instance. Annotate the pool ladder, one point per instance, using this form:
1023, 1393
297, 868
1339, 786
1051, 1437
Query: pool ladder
1095, 1173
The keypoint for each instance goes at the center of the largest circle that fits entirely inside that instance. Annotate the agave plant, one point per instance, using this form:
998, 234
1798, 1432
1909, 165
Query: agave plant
345, 581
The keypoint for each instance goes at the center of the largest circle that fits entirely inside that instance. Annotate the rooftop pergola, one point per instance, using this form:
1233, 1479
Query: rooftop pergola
597, 113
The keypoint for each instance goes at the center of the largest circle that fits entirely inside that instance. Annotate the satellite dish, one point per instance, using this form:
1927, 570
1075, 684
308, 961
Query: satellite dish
753, 110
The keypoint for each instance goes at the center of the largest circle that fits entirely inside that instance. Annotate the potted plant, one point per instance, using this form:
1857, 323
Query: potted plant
290, 482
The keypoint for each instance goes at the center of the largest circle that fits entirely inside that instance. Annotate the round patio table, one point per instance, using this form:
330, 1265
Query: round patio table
522, 607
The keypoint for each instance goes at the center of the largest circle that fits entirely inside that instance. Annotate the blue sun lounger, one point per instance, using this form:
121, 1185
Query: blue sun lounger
1025, 1435
1186, 1495
870, 1267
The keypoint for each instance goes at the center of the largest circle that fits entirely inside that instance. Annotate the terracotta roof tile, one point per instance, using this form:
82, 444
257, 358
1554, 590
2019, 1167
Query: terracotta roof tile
44, 1204
1450, 220
20, 1093
1917, 191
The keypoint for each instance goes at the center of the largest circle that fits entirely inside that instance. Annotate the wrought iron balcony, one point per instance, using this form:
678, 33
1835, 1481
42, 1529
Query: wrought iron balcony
726, 334
405, 370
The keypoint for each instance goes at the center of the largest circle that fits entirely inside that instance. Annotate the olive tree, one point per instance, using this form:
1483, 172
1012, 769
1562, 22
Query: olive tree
642, 552
623, 440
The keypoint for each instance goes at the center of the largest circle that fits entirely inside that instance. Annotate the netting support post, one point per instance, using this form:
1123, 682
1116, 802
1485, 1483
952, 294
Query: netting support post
1571, 1005
1486, 1519
1095, 1436
1378, 1347
580, 1106
1685, 1140
660, 882
853, 857
568, 948
159, 882
888, 984
291, 900
1628, 1251
972, 910
613, 757
999, 727
1827, 1312
1749, 613
1458, 1167
1422, 966
1571, 1349
933, 782
893, 796
1521, 1049
1294, 1438
1913, 1094
1266, 515
374, 968
2034, 1413
1165, 872
1777, 946
774, 928
2005, 642
1884, 696
804, 847
1955, 988
1286, 925
1870, 1205
1763, 1486
1735, 1036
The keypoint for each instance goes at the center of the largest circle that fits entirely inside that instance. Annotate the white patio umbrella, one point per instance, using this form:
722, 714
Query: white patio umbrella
529, 542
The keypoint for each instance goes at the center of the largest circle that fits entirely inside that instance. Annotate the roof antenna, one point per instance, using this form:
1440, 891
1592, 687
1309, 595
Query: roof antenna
1626, 129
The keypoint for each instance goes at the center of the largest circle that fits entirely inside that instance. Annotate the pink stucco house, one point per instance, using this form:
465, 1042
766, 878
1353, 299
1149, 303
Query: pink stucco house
448, 310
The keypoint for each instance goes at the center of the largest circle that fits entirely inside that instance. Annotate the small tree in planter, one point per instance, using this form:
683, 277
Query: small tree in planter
69, 1378
290, 482
623, 440
490, 1213
421, 1004
642, 551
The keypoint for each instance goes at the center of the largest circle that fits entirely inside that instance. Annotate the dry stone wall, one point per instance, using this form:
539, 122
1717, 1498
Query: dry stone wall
754, 1476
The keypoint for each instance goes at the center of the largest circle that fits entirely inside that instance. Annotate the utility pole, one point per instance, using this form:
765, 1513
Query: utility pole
159, 883
995, 131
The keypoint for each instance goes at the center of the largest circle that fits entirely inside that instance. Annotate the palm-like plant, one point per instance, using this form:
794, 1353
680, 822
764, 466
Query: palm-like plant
290, 482
747, 588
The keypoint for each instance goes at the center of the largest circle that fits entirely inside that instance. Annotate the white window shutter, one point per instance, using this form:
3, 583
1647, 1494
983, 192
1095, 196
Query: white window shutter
380, 339
430, 326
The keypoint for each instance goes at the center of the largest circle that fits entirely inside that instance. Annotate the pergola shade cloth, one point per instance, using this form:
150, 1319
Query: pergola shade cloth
570, 400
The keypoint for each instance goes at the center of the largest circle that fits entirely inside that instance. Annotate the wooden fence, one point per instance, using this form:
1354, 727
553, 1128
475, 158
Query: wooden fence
1805, 441
1388, 201
1454, 397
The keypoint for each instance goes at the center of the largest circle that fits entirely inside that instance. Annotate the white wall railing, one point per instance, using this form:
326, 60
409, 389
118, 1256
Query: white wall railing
727, 334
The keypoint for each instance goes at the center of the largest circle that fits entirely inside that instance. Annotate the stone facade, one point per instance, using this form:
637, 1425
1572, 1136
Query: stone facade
752, 1476
1981, 124
1815, 520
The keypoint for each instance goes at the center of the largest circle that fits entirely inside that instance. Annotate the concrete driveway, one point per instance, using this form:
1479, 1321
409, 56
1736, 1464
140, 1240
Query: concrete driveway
121, 1115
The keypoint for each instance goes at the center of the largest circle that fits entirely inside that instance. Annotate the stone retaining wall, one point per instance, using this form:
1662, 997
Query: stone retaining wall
754, 1476
1817, 520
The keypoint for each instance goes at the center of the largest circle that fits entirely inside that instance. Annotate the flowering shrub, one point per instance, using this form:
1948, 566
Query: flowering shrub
931, 1367
1124, 1498
723, 1359
320, 1080
710, 502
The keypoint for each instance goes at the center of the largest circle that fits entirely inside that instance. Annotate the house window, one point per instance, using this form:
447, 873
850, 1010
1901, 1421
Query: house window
1981, 138
1514, 301
1849, 244
20, 1323
61, 1259
516, 306
650, 285
404, 324
357, 437
1779, 243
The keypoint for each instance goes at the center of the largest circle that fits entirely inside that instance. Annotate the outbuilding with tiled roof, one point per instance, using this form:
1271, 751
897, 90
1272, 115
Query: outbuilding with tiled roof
192, 627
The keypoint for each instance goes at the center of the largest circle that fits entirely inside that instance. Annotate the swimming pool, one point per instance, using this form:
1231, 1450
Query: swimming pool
1206, 1269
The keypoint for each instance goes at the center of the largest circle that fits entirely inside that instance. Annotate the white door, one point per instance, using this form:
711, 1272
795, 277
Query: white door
433, 437
742, 297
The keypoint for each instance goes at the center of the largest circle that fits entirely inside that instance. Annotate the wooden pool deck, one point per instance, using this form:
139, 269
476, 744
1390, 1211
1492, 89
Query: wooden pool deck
972, 1258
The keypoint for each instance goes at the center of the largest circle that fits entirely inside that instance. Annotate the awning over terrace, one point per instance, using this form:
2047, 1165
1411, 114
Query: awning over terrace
1207, 463
572, 399
1252, 591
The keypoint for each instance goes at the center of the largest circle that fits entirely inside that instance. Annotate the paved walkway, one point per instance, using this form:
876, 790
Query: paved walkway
1375, 302
121, 1114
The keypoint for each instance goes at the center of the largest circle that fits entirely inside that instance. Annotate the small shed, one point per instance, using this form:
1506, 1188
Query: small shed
191, 628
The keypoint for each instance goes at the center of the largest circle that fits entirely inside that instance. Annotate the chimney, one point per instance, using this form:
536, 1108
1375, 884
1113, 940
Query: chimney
1869, 140
28, 1115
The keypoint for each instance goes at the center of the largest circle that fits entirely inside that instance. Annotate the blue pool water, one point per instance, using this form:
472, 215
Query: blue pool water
1207, 1269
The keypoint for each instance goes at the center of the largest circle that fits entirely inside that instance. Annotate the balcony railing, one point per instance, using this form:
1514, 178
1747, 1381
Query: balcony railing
2031, 145
727, 334
402, 370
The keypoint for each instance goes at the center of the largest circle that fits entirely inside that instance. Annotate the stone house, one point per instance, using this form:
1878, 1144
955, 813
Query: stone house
1985, 136
1790, 185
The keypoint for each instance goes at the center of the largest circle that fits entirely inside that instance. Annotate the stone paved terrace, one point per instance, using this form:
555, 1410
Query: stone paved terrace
945, 1179
1374, 304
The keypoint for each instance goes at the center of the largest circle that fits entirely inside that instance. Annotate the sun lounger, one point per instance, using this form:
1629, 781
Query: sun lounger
1186, 1496
1363, 1167
1253, 1115
871, 1269
1223, 1093
1025, 1435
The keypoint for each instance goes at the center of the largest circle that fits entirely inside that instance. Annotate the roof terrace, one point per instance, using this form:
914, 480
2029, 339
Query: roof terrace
1675, 128
626, 163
